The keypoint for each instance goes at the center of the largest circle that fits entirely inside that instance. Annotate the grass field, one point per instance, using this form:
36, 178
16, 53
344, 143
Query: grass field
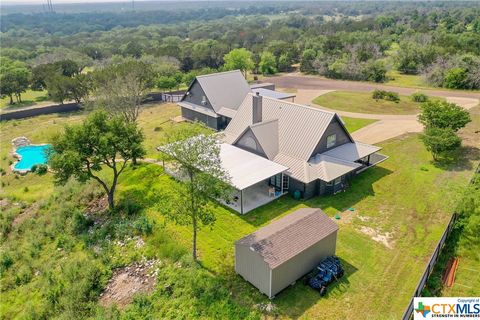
378, 274
362, 102
406, 80
353, 124
29, 98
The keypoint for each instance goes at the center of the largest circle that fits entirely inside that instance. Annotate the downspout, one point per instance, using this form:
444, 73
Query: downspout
241, 201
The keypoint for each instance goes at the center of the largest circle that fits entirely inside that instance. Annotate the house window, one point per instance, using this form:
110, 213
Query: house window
285, 182
250, 143
331, 140
338, 180
329, 184
204, 100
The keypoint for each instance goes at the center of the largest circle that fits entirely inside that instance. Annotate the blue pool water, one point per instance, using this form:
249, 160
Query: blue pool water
31, 155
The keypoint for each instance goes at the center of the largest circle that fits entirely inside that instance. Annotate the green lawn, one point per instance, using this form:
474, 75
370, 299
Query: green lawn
29, 98
353, 124
406, 196
362, 102
406, 80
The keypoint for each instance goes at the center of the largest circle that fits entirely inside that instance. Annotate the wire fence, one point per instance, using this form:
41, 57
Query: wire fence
433, 260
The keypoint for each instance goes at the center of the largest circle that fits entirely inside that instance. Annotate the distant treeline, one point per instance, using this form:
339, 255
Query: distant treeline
343, 40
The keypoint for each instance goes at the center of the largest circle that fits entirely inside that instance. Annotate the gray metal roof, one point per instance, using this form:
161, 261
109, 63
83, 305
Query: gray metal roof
287, 237
329, 168
224, 89
273, 94
289, 134
352, 151
245, 168
299, 127
199, 109
266, 133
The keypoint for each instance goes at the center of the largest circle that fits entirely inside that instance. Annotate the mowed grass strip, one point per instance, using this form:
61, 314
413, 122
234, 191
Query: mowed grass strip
353, 124
362, 102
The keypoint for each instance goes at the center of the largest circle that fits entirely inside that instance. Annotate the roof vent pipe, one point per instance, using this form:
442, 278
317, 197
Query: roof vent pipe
257, 109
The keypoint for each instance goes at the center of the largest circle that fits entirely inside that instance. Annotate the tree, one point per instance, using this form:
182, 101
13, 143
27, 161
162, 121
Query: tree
267, 63
14, 79
120, 89
456, 78
308, 57
167, 82
239, 59
440, 140
284, 62
84, 150
198, 159
58, 88
443, 115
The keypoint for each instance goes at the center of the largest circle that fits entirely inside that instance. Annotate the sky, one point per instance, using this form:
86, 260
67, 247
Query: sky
57, 1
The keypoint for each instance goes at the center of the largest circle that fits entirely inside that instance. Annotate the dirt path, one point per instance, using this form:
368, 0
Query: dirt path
388, 126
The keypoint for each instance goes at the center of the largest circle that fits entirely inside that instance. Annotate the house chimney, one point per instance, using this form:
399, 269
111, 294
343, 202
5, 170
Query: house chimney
257, 108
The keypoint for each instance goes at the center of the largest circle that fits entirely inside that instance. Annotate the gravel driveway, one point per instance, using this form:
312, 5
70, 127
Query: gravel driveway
387, 126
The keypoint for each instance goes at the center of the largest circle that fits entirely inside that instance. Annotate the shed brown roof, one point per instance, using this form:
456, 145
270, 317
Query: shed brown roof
283, 239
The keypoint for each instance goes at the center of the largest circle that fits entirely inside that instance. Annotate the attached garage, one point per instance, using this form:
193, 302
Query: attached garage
277, 255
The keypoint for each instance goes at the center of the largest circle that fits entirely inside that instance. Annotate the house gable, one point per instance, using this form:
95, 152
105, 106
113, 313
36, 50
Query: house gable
249, 142
342, 136
196, 95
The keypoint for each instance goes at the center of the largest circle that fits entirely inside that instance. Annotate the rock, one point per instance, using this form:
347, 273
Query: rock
21, 142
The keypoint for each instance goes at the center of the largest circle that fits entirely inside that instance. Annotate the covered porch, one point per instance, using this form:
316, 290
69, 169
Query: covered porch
257, 180
255, 196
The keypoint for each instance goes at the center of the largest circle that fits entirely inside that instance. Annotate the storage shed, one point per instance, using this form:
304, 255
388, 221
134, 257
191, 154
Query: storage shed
280, 253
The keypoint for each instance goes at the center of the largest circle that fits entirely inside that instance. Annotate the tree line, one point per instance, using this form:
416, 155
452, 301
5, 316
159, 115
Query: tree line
439, 41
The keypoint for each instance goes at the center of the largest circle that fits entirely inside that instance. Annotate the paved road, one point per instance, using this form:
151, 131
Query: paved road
388, 126
299, 81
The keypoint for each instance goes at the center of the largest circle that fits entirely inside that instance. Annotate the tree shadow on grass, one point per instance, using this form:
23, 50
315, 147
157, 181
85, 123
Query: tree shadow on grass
462, 159
360, 187
295, 300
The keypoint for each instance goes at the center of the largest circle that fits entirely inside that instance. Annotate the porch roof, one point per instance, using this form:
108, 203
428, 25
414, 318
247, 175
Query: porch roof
352, 151
245, 168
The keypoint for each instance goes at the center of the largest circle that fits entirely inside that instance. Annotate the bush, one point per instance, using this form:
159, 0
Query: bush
419, 97
143, 226
386, 95
6, 261
129, 207
456, 78
81, 223
378, 94
392, 96
41, 169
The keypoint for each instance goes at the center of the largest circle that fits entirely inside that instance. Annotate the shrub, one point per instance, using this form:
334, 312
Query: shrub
129, 207
378, 94
143, 226
419, 97
156, 129
81, 223
456, 78
6, 261
392, 96
41, 169
25, 189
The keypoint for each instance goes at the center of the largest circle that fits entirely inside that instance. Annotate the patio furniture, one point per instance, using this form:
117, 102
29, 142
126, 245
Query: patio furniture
271, 191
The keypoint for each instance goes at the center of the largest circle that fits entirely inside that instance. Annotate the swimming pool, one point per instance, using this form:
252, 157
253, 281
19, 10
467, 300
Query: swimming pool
30, 155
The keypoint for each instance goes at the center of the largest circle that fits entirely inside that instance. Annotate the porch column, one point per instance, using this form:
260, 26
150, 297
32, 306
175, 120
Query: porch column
241, 201
281, 183
368, 160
